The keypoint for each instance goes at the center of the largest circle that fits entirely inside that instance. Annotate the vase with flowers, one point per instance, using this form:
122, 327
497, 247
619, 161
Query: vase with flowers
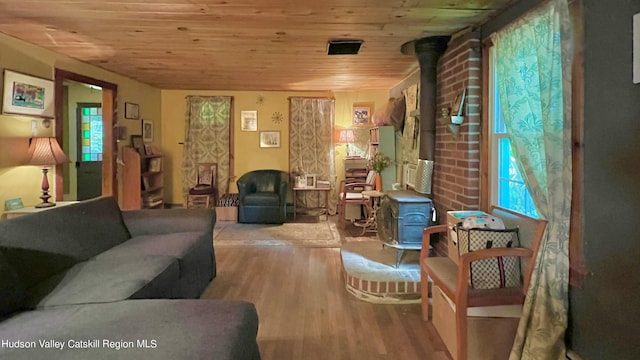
378, 163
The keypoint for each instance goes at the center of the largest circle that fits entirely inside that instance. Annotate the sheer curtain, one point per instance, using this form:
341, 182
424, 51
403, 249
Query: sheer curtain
206, 139
534, 83
311, 145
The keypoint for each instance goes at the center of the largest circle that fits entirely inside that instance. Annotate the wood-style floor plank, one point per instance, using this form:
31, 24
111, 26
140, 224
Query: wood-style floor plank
306, 313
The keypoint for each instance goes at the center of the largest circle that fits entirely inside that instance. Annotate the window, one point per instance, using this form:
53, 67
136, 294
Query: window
507, 187
91, 135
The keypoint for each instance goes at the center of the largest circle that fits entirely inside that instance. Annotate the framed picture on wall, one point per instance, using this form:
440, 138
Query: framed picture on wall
27, 95
147, 130
249, 120
362, 114
269, 139
131, 111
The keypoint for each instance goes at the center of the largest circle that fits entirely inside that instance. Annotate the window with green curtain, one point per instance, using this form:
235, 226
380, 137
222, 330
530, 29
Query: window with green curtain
508, 188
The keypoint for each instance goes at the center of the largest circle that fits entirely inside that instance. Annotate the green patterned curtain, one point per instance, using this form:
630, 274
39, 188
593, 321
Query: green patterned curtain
311, 146
534, 82
206, 139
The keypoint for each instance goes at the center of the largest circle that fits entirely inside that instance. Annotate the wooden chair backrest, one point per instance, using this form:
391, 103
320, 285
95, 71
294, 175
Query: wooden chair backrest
530, 233
207, 174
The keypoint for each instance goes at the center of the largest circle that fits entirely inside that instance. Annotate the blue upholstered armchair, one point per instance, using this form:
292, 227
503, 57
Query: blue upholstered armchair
262, 197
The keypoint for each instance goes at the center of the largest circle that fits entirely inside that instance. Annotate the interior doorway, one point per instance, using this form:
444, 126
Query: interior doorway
104, 181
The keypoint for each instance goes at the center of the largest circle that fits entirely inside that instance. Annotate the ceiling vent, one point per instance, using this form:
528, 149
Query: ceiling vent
343, 47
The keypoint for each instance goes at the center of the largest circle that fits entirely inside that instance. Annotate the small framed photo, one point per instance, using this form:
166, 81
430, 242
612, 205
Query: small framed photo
311, 180
13, 204
137, 143
131, 111
362, 113
147, 130
269, 139
148, 150
249, 120
27, 95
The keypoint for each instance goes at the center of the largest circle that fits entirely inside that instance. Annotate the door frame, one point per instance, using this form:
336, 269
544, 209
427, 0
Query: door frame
109, 123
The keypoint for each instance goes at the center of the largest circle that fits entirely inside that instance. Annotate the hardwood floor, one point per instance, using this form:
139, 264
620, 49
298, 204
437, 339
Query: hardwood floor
306, 313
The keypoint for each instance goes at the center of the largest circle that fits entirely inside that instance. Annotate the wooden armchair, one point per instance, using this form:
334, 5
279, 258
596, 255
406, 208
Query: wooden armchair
350, 192
453, 278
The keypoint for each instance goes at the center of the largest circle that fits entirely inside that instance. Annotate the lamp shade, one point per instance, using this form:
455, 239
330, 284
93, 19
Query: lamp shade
45, 151
346, 136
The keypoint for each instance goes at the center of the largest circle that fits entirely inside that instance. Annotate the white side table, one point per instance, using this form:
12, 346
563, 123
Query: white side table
31, 210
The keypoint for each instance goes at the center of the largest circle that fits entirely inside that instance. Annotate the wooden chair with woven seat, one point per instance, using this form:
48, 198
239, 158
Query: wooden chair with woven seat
204, 193
351, 194
453, 278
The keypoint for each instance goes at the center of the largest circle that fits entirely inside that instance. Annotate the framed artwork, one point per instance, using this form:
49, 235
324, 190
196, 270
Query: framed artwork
249, 120
269, 139
137, 143
362, 114
131, 111
148, 150
27, 95
147, 130
311, 180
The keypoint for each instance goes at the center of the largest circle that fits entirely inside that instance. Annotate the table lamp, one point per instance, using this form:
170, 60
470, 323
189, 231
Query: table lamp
45, 151
346, 137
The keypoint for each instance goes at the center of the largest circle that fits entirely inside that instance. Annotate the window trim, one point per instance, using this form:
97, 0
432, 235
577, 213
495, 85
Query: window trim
578, 268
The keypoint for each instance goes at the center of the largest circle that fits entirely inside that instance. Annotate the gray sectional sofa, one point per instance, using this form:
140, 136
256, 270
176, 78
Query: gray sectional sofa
98, 282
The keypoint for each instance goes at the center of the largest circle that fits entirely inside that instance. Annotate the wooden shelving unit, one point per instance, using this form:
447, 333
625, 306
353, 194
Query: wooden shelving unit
383, 139
143, 181
356, 169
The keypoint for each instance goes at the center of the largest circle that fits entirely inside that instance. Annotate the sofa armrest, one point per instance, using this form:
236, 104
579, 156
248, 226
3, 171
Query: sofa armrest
282, 192
166, 221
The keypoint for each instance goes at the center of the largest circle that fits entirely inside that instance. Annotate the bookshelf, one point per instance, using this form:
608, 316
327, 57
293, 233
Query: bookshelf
143, 182
383, 139
356, 169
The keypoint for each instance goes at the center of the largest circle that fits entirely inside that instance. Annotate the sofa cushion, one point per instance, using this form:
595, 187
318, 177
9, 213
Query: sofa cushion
13, 293
262, 199
43, 244
172, 329
109, 279
193, 251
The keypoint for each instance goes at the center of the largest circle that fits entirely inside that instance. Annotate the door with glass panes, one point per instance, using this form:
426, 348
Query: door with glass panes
89, 163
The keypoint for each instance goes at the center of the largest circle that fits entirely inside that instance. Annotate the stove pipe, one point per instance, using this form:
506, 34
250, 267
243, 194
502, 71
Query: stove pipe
428, 50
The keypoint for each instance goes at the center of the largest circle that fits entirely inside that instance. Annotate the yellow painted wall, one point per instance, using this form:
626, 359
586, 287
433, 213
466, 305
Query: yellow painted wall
17, 180
248, 154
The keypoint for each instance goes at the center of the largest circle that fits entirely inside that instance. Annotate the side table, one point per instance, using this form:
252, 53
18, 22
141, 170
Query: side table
298, 189
371, 222
10, 214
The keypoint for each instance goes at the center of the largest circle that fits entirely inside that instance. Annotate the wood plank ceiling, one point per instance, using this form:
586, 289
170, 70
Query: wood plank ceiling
242, 44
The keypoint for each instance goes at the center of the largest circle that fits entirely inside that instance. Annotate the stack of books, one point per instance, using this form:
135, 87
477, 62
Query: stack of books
323, 184
152, 200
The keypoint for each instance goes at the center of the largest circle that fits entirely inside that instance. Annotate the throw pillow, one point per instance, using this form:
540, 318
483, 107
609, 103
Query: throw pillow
492, 273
